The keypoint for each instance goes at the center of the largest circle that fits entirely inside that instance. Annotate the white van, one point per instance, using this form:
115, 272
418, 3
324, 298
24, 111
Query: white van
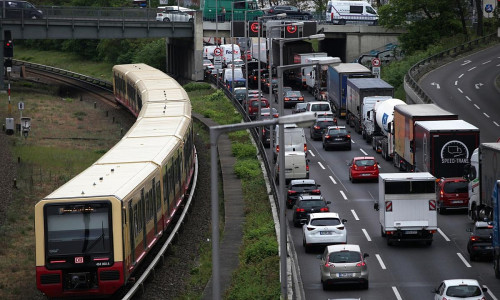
295, 140
320, 108
341, 12
296, 166
227, 53
208, 52
228, 74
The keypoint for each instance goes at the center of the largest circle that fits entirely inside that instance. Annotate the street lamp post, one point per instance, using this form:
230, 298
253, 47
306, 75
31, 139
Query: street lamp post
304, 119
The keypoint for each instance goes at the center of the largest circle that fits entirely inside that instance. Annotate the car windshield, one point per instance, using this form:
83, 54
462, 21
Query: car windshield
301, 105
320, 107
455, 187
325, 123
256, 104
365, 162
311, 203
337, 131
345, 257
303, 187
462, 291
483, 231
326, 222
293, 94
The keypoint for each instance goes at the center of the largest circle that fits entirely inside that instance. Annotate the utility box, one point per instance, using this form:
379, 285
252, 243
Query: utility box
25, 125
9, 126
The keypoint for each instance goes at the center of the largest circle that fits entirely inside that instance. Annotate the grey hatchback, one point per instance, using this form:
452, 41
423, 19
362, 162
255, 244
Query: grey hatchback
343, 264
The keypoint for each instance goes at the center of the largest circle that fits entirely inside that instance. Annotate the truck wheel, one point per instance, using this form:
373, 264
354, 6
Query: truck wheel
363, 134
474, 213
382, 232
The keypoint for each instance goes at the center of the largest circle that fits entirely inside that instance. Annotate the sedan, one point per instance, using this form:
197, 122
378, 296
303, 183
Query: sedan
363, 168
460, 289
174, 16
306, 205
284, 89
343, 264
336, 136
323, 229
480, 241
291, 98
268, 113
319, 126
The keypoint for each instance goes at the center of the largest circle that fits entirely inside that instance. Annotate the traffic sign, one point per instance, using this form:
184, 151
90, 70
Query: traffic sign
488, 8
218, 62
375, 62
376, 71
218, 51
20, 105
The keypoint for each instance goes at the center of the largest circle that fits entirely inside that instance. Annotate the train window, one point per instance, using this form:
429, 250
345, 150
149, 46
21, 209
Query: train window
78, 227
158, 196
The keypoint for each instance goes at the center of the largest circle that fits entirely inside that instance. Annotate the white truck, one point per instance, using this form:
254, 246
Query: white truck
407, 207
482, 174
301, 58
368, 121
383, 136
317, 75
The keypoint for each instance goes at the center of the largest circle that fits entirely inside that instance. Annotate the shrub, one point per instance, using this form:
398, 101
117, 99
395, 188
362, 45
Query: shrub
244, 150
260, 249
194, 86
247, 168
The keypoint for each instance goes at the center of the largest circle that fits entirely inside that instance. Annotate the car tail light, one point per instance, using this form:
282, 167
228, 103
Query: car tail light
316, 192
327, 136
361, 264
441, 193
348, 136
317, 127
292, 192
287, 99
278, 148
307, 168
355, 167
263, 130
474, 238
301, 98
276, 115
310, 228
328, 263
341, 228
324, 209
300, 210
305, 148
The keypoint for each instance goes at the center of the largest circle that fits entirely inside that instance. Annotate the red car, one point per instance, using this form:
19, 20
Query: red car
364, 168
253, 106
452, 193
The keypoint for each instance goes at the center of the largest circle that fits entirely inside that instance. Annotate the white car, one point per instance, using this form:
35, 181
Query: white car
460, 289
173, 16
322, 229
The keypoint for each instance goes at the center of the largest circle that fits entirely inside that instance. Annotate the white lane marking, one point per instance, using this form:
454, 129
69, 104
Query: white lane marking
490, 293
354, 214
471, 69
321, 165
382, 265
333, 180
496, 123
467, 97
461, 92
486, 115
352, 141
343, 195
461, 75
395, 290
466, 263
444, 235
312, 153
456, 82
478, 85
477, 106
436, 84
363, 152
466, 62
498, 65
366, 235
488, 61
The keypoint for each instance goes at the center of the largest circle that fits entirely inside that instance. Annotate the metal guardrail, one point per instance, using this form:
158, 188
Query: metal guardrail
103, 84
429, 63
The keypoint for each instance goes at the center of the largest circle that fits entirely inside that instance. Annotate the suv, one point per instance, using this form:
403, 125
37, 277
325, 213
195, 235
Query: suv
480, 241
323, 229
321, 123
460, 289
336, 136
307, 204
301, 187
343, 264
292, 12
452, 193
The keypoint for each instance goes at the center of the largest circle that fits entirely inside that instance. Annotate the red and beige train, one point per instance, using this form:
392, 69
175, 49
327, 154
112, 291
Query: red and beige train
94, 231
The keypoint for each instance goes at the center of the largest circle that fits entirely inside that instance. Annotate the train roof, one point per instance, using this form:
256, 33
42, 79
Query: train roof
132, 68
168, 109
151, 127
104, 180
418, 110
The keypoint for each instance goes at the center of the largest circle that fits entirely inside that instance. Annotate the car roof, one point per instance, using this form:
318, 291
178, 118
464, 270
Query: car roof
449, 282
310, 197
302, 181
483, 224
340, 247
324, 215
324, 119
336, 127
363, 157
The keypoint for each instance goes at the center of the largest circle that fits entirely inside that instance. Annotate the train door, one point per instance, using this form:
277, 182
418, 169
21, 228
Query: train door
131, 229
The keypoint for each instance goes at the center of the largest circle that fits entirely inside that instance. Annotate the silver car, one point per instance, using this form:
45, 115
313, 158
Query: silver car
173, 16
343, 264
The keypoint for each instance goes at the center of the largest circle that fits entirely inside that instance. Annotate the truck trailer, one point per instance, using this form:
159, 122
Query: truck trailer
482, 174
495, 198
305, 72
337, 83
357, 90
404, 130
443, 148
383, 134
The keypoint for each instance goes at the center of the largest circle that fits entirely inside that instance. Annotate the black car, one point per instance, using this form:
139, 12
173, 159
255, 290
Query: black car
292, 12
336, 136
275, 92
299, 187
480, 241
321, 123
307, 204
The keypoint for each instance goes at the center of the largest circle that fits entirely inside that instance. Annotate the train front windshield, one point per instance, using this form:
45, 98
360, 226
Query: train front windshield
78, 228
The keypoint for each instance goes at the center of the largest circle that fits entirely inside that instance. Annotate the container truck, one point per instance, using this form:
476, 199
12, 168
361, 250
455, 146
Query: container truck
357, 90
383, 135
482, 173
407, 207
495, 198
336, 84
404, 130
443, 148
368, 122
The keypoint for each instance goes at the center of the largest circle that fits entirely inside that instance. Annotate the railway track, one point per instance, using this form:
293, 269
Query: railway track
103, 91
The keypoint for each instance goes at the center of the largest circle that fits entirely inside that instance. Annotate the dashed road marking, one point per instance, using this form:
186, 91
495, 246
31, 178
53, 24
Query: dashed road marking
321, 165
333, 180
486, 115
354, 214
395, 290
456, 82
490, 293
496, 123
364, 152
461, 92
343, 195
466, 263
471, 69
368, 238
467, 97
310, 152
444, 235
461, 75
477, 106
488, 61
382, 265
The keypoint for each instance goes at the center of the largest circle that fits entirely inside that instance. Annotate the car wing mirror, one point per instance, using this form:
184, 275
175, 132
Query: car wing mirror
318, 185
302, 222
344, 221
328, 202
484, 289
375, 206
365, 255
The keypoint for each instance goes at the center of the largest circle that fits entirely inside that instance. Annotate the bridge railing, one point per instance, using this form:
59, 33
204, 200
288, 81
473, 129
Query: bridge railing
436, 60
81, 12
